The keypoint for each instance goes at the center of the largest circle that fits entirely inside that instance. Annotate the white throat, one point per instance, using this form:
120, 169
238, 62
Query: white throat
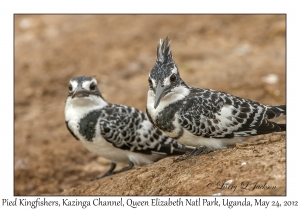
178, 93
78, 107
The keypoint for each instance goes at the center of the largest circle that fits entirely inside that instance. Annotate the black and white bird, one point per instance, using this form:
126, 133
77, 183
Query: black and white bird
116, 132
204, 118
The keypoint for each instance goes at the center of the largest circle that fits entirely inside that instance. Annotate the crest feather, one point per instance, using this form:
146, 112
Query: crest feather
163, 51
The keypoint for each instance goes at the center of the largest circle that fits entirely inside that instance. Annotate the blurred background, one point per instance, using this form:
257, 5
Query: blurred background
244, 55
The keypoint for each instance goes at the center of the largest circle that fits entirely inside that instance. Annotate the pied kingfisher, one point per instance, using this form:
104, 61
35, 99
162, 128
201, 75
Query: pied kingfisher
203, 118
116, 132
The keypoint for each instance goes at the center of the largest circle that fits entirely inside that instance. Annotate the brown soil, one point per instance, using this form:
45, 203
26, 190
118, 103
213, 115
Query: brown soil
231, 53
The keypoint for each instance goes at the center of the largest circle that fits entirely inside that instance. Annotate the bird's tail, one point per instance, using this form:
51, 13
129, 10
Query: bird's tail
282, 127
275, 111
269, 127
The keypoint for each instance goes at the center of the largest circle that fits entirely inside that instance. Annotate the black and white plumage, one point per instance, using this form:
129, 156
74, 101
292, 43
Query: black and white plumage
203, 117
116, 132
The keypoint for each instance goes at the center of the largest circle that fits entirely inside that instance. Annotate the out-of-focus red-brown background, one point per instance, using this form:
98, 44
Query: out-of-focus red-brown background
243, 55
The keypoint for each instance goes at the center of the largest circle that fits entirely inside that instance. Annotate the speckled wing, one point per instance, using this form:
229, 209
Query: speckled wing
129, 129
215, 114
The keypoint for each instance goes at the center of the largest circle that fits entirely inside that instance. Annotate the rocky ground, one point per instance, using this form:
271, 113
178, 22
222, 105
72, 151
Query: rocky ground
244, 55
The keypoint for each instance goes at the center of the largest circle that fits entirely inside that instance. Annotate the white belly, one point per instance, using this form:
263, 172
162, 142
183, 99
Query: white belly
101, 147
190, 139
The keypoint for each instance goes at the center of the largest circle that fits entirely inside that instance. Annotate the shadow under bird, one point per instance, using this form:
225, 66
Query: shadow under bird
203, 118
116, 132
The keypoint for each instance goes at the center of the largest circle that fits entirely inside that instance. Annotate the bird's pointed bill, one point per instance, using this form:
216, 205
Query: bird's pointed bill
159, 93
80, 92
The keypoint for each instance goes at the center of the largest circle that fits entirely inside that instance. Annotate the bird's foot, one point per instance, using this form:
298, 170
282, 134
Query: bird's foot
198, 151
111, 170
107, 173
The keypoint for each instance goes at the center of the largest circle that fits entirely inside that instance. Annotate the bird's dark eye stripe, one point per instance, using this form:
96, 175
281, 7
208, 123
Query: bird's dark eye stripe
70, 87
150, 81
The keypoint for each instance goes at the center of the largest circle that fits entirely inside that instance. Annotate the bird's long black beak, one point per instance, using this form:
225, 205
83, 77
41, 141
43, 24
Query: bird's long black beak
159, 93
80, 91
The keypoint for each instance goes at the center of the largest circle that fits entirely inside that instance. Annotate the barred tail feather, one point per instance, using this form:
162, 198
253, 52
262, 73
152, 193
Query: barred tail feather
270, 127
282, 127
276, 111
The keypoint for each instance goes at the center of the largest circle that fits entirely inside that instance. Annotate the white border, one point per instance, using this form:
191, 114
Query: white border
8, 8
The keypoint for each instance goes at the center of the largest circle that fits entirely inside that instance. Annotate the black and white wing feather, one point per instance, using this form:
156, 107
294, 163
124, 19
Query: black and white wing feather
215, 114
129, 129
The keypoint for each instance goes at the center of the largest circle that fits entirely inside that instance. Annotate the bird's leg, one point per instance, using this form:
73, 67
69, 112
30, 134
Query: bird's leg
202, 150
184, 157
125, 168
197, 151
107, 173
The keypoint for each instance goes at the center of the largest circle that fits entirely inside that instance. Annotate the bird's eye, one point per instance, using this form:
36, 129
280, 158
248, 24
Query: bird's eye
70, 87
173, 78
150, 81
93, 86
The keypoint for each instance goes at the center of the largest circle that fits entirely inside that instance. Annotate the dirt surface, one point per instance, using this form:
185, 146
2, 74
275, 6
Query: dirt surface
231, 53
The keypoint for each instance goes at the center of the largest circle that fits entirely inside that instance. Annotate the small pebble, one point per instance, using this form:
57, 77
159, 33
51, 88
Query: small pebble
270, 79
275, 138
